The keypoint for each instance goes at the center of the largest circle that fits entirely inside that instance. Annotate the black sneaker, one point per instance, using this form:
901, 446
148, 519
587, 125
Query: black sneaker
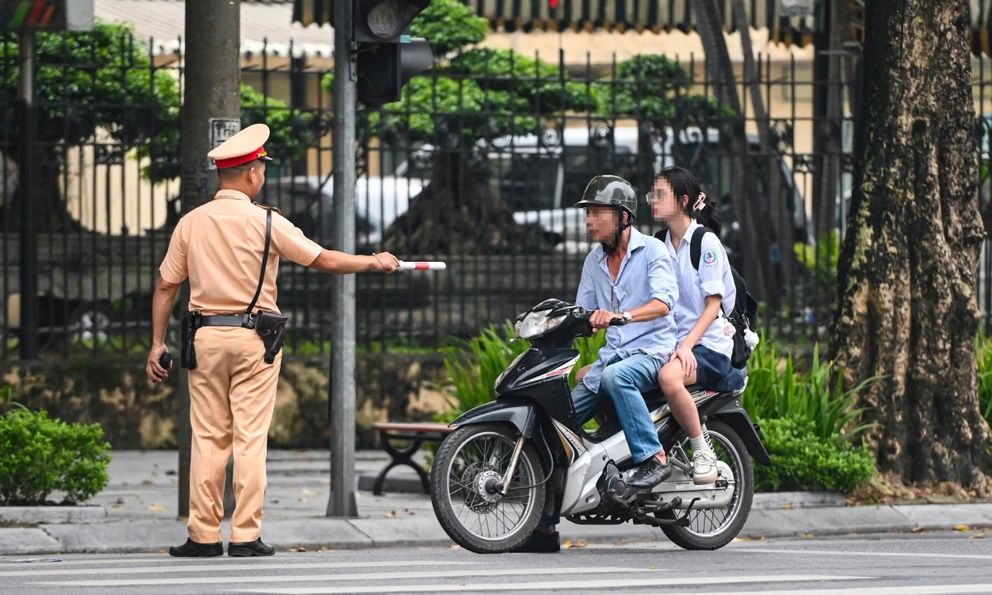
250, 548
192, 549
540, 542
649, 474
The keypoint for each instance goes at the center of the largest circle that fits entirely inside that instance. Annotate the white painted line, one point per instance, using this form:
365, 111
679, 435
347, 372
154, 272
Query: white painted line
232, 566
761, 550
605, 584
917, 590
22, 562
364, 576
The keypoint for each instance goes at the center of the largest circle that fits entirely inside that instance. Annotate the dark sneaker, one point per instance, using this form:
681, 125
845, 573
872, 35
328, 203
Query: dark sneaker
250, 548
541, 543
649, 474
192, 549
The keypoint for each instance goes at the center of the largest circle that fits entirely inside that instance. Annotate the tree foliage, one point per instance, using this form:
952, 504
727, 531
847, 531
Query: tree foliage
104, 80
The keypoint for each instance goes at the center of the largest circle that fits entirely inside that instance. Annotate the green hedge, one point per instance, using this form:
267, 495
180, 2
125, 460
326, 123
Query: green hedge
40, 455
803, 461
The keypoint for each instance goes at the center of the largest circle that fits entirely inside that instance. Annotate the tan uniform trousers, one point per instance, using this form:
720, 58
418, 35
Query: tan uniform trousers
232, 395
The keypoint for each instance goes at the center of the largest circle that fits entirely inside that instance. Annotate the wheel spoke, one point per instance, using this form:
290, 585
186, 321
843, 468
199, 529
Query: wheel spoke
489, 516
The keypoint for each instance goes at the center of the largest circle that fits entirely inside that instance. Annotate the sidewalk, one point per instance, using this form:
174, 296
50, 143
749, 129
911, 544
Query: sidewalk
137, 512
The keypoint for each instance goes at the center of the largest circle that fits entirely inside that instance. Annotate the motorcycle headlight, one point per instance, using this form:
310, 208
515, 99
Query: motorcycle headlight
535, 324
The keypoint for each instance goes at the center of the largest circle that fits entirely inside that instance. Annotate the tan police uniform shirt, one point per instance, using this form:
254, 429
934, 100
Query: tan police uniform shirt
219, 247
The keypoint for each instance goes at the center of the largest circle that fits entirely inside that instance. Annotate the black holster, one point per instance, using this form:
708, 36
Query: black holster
187, 357
272, 329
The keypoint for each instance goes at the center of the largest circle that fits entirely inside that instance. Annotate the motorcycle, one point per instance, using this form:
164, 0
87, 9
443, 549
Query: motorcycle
526, 454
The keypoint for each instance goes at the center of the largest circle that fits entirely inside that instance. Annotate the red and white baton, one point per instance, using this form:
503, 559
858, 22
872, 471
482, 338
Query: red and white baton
422, 265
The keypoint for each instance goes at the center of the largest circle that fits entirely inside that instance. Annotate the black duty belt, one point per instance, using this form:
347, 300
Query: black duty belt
242, 320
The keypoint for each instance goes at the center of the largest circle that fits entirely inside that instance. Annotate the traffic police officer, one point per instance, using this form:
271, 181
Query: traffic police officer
219, 247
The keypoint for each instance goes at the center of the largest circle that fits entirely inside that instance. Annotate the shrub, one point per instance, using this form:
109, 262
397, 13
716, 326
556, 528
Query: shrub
983, 357
776, 390
803, 461
39, 455
474, 365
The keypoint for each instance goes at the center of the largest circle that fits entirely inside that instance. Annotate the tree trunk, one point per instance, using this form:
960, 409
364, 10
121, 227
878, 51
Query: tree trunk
720, 74
53, 216
779, 217
907, 311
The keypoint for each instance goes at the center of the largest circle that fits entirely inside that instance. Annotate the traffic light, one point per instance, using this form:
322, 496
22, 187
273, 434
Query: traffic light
387, 56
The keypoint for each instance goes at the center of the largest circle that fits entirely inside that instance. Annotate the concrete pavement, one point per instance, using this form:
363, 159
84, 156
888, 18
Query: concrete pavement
137, 512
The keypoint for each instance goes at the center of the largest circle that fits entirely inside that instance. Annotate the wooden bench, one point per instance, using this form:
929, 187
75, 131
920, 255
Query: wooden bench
414, 433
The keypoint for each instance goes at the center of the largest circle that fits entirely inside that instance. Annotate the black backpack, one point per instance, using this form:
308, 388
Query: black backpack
745, 312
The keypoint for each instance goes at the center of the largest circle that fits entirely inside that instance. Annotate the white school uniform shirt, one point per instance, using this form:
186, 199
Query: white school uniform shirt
712, 278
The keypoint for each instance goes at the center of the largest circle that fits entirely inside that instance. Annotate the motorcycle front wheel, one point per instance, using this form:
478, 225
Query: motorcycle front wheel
467, 471
711, 529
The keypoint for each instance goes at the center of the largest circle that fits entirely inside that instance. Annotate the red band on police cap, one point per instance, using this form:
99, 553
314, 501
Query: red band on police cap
241, 160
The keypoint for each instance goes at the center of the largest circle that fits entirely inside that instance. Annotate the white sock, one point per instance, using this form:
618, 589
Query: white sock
699, 444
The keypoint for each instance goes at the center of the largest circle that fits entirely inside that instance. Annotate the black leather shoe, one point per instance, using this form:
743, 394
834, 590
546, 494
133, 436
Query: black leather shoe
541, 543
192, 549
250, 548
649, 474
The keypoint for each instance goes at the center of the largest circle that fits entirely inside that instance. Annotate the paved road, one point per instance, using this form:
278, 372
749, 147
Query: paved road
909, 564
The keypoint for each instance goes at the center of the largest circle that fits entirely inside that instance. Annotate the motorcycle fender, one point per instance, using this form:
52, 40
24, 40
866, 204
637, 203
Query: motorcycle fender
521, 414
738, 419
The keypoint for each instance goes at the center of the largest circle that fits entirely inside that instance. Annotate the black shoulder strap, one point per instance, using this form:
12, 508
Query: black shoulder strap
265, 258
696, 245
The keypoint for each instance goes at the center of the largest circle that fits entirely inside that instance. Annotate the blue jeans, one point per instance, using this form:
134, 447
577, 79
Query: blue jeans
623, 381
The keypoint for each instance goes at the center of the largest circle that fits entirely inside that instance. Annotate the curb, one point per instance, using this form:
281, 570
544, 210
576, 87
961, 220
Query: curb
362, 533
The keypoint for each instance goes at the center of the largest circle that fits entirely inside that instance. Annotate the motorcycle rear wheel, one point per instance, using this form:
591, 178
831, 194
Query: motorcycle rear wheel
480, 521
714, 528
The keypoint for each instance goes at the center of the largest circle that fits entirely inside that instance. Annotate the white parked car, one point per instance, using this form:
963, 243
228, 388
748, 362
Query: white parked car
308, 201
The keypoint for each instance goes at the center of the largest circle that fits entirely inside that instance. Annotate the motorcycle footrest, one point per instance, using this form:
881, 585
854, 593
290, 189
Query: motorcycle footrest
659, 505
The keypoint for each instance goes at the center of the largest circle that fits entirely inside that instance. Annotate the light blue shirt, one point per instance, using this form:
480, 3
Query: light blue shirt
712, 278
647, 272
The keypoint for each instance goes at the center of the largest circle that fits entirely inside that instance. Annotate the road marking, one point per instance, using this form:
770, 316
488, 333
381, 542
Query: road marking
760, 550
605, 584
57, 561
915, 590
364, 576
231, 566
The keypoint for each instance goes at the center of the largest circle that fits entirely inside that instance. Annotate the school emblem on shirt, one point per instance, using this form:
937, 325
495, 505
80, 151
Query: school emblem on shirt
709, 257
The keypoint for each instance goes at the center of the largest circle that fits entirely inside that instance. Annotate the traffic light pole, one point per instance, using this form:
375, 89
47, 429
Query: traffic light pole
341, 399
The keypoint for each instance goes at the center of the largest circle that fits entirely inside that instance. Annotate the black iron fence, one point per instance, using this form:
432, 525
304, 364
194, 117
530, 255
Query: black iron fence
479, 167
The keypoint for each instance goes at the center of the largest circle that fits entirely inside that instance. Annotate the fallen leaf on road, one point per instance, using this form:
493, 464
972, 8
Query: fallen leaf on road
156, 508
977, 536
391, 514
297, 549
962, 528
917, 529
574, 544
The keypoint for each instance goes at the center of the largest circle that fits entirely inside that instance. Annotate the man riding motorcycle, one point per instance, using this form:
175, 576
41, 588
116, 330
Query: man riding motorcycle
629, 276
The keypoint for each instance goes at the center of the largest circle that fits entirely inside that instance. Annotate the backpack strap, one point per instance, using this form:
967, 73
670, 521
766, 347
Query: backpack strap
265, 257
696, 245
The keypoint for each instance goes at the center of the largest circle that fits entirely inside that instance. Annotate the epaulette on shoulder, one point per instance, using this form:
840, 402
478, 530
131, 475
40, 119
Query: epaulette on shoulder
267, 207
